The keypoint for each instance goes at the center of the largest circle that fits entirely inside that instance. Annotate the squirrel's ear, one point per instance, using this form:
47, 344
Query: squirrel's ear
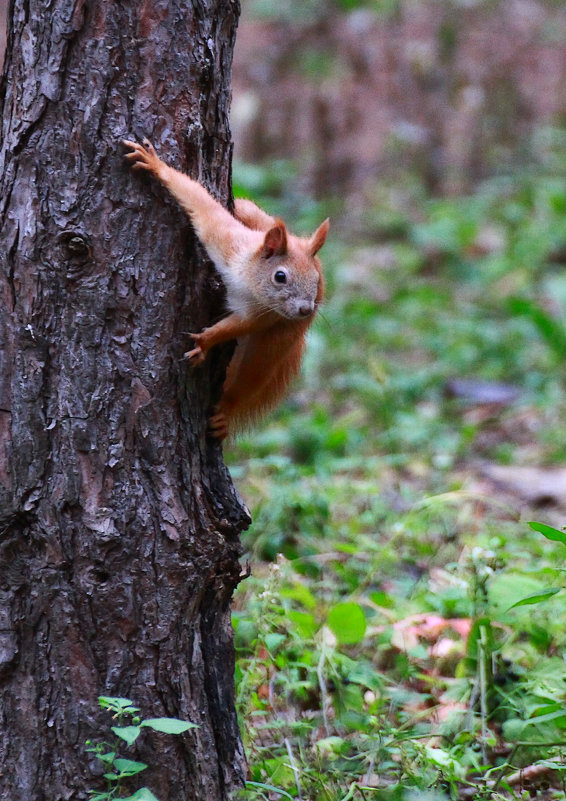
275, 242
318, 239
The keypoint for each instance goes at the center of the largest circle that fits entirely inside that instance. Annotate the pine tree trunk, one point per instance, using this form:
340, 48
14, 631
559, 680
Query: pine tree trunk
118, 520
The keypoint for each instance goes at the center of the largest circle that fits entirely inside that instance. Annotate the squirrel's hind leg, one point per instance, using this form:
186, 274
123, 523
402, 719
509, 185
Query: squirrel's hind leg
218, 426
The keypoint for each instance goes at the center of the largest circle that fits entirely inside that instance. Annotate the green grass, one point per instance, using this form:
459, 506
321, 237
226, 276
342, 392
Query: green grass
378, 656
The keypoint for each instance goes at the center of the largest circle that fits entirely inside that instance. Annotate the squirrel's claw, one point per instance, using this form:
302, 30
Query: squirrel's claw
142, 157
218, 426
196, 356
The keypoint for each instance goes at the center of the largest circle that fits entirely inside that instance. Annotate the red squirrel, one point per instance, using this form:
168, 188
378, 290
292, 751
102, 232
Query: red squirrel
273, 285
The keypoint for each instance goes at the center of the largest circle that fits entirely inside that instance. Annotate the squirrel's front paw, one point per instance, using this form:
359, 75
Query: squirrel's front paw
197, 355
142, 157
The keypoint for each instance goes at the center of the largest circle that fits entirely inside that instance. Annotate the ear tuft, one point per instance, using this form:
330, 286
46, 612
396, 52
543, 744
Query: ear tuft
275, 241
318, 239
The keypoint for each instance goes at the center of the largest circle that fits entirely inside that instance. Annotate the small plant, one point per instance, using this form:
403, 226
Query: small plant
118, 769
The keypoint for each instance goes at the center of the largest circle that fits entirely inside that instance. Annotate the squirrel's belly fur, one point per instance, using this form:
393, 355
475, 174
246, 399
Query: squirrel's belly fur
259, 374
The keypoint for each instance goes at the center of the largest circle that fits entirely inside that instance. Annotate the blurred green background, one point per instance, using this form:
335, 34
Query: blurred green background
408, 641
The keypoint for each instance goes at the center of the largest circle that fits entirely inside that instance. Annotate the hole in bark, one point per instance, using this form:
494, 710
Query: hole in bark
100, 576
77, 250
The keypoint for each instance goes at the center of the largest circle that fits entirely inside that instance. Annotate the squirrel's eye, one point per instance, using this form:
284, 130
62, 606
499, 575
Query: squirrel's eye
280, 277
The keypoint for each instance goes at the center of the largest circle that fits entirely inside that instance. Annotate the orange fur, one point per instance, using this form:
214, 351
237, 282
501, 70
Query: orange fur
251, 215
273, 283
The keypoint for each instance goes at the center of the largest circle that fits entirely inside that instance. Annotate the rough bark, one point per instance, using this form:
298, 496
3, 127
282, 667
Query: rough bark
118, 520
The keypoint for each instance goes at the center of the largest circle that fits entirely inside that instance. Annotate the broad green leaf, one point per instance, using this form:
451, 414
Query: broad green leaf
169, 725
301, 594
513, 729
143, 794
118, 704
273, 640
107, 758
128, 733
549, 532
508, 587
366, 675
442, 758
347, 621
382, 599
303, 623
129, 767
537, 597
331, 745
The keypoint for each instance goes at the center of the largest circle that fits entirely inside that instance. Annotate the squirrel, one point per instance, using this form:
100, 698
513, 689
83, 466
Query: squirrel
274, 286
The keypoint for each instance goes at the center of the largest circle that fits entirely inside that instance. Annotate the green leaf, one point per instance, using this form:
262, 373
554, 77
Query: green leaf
513, 729
107, 758
273, 640
329, 746
382, 599
116, 704
537, 597
301, 594
303, 623
548, 327
549, 532
129, 767
127, 733
347, 621
143, 794
169, 725
111, 700
269, 788
559, 714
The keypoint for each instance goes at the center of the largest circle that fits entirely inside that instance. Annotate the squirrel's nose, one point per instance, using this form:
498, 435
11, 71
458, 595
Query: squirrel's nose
305, 308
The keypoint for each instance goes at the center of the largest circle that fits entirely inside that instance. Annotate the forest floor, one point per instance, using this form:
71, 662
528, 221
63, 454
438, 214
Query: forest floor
402, 633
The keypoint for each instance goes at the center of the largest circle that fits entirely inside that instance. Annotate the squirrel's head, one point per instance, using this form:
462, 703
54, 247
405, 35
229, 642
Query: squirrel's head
288, 271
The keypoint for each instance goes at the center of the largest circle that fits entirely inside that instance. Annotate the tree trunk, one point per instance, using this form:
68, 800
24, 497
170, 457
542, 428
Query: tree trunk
118, 520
